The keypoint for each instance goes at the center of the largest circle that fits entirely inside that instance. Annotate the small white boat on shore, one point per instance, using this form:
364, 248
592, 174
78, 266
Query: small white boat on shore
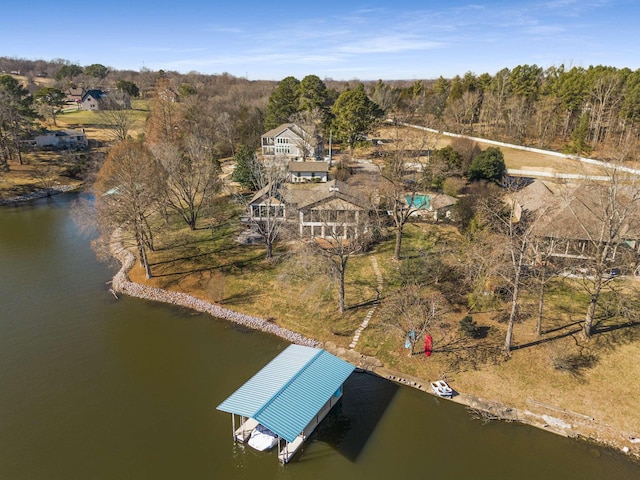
442, 389
262, 438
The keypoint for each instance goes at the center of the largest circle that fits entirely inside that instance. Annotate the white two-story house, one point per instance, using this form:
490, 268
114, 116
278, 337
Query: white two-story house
289, 142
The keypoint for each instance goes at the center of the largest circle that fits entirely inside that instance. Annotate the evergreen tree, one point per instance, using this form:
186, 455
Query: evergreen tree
245, 165
16, 117
312, 93
52, 99
128, 87
96, 70
488, 165
355, 115
283, 103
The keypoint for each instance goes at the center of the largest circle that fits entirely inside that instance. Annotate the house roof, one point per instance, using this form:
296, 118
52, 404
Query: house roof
321, 167
269, 190
61, 133
581, 213
535, 196
289, 391
328, 191
309, 197
274, 132
74, 93
440, 200
95, 93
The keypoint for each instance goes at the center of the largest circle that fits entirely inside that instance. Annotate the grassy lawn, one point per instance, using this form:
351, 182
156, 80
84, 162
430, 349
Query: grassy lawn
41, 169
292, 292
210, 264
46, 168
94, 122
514, 158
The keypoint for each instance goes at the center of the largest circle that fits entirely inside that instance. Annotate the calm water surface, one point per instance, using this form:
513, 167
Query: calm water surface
94, 388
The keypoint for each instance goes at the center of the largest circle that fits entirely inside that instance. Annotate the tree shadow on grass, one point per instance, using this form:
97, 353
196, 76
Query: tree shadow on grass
561, 327
367, 304
546, 339
182, 243
241, 265
241, 298
628, 331
195, 256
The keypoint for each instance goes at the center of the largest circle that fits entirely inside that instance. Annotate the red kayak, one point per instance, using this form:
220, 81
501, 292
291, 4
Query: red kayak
428, 344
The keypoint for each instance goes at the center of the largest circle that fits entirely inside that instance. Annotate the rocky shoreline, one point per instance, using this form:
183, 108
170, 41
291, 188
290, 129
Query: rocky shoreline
122, 284
42, 193
563, 423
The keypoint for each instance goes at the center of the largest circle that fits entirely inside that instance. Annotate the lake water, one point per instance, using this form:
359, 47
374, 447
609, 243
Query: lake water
97, 388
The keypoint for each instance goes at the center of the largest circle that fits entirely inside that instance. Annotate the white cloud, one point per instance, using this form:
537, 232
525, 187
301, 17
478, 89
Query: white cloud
388, 44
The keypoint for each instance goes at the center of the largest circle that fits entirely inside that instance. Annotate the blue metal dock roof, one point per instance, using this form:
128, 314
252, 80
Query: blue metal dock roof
290, 390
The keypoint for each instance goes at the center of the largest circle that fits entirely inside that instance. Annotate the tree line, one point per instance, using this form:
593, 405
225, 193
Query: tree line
578, 110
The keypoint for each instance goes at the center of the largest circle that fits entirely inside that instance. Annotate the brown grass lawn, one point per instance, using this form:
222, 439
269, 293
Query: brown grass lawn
45, 168
213, 267
42, 169
514, 158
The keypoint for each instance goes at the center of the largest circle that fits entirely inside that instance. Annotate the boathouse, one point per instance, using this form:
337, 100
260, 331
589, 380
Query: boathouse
290, 396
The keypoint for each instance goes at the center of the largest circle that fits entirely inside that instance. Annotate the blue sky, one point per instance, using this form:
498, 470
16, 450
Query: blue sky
343, 40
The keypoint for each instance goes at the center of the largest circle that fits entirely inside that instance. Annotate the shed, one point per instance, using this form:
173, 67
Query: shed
290, 396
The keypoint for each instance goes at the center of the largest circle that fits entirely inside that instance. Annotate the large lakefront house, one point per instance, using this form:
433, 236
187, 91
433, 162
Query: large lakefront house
289, 142
329, 210
573, 223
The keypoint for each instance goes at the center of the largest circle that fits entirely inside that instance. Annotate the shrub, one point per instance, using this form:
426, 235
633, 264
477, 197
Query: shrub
469, 328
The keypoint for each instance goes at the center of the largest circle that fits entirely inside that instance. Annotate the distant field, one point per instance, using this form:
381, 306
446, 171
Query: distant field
94, 122
514, 158
39, 81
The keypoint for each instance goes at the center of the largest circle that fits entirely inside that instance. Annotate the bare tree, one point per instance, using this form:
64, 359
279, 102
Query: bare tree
117, 121
542, 272
342, 239
604, 96
166, 116
45, 175
513, 230
605, 216
411, 312
228, 130
401, 191
189, 176
267, 208
463, 110
125, 196
310, 123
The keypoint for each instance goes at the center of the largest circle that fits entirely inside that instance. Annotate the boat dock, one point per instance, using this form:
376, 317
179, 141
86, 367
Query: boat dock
290, 396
